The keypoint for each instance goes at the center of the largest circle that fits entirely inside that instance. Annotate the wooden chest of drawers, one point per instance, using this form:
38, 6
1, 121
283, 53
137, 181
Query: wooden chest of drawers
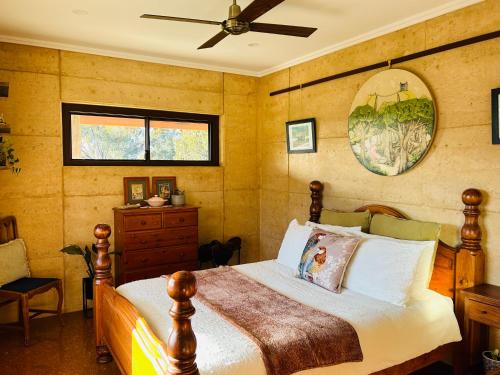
154, 242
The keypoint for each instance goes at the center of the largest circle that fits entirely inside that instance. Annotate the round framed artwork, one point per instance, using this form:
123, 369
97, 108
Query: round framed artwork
392, 122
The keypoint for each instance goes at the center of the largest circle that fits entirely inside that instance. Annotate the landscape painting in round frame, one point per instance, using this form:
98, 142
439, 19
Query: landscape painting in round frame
392, 122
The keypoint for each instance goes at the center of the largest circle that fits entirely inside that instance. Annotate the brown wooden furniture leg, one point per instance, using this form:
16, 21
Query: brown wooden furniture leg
60, 295
26, 318
103, 277
20, 312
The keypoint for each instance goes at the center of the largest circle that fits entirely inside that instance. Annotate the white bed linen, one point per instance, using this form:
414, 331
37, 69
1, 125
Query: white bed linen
388, 334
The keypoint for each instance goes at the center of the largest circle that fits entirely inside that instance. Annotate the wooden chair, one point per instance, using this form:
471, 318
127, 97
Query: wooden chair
24, 289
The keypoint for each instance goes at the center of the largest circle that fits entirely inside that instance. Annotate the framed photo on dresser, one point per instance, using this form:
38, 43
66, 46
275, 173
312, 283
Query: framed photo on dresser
136, 189
164, 187
495, 116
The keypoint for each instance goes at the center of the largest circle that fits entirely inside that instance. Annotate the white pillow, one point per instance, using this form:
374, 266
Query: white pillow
334, 228
13, 262
390, 269
425, 268
293, 244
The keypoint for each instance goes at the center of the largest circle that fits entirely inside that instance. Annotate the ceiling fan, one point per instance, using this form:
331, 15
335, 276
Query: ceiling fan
240, 22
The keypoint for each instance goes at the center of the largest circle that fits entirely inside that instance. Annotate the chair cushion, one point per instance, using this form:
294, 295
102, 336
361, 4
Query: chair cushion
27, 284
13, 261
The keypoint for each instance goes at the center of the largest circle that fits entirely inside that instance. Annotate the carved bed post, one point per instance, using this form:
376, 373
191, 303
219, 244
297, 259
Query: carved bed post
181, 344
470, 257
103, 277
316, 188
470, 264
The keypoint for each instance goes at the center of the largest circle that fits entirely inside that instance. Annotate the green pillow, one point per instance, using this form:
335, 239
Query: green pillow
346, 219
390, 226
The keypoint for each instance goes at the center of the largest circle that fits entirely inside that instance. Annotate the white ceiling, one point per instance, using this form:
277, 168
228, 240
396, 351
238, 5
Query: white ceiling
113, 28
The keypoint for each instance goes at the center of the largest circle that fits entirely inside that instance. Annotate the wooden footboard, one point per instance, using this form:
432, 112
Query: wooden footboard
121, 333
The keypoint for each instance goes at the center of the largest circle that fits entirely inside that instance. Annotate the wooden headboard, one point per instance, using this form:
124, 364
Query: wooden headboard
8, 229
455, 267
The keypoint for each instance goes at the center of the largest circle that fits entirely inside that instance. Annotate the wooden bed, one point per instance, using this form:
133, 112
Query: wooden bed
121, 333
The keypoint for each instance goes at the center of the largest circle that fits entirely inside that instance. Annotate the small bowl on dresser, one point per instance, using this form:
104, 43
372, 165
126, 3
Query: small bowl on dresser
155, 201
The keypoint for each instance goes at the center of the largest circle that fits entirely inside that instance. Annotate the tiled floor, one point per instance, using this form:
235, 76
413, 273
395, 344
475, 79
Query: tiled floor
70, 350
54, 350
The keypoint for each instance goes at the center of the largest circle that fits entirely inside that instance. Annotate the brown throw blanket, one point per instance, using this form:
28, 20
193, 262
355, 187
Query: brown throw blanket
291, 336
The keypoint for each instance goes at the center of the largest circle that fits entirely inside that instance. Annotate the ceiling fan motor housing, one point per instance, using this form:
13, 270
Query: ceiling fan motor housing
235, 27
232, 25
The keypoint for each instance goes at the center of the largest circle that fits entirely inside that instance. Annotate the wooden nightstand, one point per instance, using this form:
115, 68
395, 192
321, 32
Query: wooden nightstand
481, 307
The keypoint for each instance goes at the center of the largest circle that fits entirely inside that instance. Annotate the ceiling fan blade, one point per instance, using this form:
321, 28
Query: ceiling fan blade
179, 19
257, 9
271, 28
214, 40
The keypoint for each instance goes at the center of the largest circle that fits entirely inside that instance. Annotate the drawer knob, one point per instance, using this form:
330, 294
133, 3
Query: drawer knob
144, 260
143, 241
181, 219
484, 312
143, 222
182, 254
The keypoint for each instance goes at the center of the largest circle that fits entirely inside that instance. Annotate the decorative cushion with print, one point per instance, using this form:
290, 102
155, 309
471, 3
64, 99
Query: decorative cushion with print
325, 258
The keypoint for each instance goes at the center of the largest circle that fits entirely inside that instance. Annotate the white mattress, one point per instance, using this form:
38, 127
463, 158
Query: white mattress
388, 334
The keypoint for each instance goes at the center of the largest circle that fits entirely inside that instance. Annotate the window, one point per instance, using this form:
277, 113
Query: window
97, 135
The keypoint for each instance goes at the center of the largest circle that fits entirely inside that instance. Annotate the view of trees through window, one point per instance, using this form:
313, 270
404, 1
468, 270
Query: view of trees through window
123, 138
108, 138
178, 140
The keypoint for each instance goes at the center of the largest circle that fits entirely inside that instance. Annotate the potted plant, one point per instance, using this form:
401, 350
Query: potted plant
88, 254
491, 360
8, 158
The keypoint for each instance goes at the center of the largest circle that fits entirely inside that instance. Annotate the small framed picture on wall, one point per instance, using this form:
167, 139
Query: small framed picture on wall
136, 189
301, 136
495, 116
164, 187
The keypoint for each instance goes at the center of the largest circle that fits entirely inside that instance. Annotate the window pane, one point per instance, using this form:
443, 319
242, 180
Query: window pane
171, 140
107, 138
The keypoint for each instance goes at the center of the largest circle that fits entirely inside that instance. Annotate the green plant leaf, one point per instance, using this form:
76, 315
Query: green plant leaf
72, 250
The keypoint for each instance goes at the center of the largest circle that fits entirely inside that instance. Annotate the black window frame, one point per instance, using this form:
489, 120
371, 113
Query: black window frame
68, 109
